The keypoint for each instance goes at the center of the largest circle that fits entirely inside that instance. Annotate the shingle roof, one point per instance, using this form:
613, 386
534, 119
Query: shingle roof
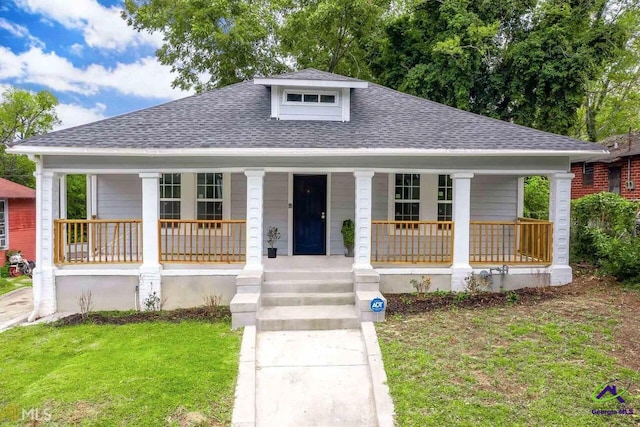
313, 74
238, 116
12, 190
619, 146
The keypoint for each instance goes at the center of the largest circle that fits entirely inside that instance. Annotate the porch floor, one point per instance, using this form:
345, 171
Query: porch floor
308, 263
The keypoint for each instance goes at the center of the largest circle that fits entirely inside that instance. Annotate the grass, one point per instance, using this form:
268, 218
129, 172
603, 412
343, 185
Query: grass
519, 365
144, 374
11, 284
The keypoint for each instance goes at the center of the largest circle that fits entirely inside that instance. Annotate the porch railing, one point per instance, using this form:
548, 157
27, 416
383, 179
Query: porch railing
202, 241
79, 241
523, 242
412, 242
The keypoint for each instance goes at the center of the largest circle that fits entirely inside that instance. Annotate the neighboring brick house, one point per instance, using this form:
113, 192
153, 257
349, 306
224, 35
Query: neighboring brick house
617, 172
17, 219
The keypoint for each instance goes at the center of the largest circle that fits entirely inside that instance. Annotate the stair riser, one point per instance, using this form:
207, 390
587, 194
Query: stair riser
280, 287
306, 275
307, 324
301, 299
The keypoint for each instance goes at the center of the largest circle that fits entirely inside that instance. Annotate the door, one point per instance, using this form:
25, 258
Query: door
309, 214
614, 180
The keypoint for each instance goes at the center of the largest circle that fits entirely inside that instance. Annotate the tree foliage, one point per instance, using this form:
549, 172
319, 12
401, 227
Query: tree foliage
22, 115
519, 60
536, 197
216, 43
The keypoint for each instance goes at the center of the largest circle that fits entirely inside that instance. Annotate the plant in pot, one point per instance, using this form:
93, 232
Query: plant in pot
273, 235
348, 236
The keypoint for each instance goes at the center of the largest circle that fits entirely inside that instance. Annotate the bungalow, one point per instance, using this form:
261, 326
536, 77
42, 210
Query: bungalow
181, 195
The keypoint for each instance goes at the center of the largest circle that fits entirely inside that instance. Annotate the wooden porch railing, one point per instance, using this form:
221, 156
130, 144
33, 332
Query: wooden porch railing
523, 242
201, 241
412, 242
79, 241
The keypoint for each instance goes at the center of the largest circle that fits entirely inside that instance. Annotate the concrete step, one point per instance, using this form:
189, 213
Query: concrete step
306, 286
307, 274
308, 298
307, 317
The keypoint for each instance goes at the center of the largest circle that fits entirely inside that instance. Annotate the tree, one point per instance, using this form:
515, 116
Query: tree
522, 61
23, 114
215, 43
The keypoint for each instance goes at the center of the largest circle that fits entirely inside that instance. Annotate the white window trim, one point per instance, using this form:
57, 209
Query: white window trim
311, 92
189, 198
6, 224
171, 199
447, 202
205, 199
428, 201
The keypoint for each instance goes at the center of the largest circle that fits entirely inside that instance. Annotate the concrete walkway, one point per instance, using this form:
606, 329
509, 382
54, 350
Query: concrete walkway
312, 378
15, 307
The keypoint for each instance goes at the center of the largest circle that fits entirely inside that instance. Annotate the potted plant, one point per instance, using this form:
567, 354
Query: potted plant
273, 235
348, 236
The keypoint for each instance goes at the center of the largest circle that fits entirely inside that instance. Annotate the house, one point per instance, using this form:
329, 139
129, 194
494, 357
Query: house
181, 196
617, 172
17, 219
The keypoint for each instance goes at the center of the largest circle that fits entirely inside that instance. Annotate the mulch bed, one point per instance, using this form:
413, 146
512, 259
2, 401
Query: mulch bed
203, 314
413, 303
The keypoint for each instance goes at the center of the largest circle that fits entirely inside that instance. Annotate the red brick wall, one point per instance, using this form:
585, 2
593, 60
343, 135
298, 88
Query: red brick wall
601, 179
22, 227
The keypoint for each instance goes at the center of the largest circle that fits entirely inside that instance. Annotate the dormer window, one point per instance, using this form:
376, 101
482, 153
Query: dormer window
295, 97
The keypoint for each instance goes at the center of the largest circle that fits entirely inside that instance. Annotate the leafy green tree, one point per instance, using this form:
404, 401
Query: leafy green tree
536, 197
215, 43
519, 60
76, 196
22, 115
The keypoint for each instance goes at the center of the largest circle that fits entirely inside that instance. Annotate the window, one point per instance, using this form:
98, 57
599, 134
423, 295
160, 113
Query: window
445, 198
170, 196
209, 196
407, 197
313, 98
614, 179
587, 174
3, 224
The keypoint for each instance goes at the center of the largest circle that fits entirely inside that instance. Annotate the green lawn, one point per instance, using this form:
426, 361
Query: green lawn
145, 374
514, 365
11, 284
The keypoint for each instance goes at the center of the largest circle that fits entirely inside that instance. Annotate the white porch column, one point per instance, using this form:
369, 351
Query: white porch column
255, 181
44, 292
559, 214
150, 268
362, 238
461, 219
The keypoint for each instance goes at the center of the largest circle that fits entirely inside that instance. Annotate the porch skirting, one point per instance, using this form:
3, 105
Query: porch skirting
187, 286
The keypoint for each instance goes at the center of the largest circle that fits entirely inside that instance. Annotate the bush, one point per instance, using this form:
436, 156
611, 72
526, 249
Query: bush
595, 217
536, 197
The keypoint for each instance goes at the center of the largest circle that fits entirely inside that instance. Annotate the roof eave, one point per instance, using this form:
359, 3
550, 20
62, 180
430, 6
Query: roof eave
354, 84
575, 155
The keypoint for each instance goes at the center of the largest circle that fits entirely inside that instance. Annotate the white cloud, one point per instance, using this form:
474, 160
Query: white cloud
77, 49
20, 31
102, 27
74, 115
145, 78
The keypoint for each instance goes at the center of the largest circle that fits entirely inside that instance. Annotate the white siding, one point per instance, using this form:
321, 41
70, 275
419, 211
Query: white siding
276, 195
342, 207
238, 196
380, 196
303, 111
494, 198
119, 197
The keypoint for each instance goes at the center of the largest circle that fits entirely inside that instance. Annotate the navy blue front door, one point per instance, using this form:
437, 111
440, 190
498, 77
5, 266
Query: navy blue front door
309, 214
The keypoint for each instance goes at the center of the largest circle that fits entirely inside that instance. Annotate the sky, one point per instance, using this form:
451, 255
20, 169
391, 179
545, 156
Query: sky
85, 54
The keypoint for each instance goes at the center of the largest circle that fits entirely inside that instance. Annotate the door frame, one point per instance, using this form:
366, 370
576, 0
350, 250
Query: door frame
290, 212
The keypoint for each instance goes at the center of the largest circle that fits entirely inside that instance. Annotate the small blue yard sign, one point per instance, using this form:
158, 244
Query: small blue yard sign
377, 305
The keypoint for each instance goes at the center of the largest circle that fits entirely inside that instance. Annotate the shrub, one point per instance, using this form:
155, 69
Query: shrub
421, 286
536, 197
595, 217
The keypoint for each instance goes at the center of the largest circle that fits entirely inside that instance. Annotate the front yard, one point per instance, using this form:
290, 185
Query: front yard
144, 374
11, 284
532, 364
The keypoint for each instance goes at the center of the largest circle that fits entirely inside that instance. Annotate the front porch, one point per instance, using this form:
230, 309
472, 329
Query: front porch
458, 223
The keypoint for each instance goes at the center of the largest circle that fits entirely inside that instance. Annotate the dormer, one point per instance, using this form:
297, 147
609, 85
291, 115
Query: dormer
311, 95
